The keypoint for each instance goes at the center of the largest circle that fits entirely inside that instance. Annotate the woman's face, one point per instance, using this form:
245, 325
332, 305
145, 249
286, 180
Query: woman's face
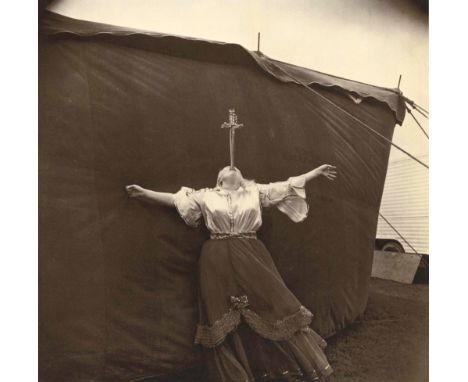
231, 180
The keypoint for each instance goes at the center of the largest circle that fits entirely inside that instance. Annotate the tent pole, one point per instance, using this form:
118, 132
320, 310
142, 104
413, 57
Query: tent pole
258, 42
399, 81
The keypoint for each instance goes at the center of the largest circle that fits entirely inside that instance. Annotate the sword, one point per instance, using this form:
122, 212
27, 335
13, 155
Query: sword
232, 125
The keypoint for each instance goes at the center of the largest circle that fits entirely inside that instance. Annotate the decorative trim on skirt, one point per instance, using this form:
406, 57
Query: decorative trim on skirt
211, 336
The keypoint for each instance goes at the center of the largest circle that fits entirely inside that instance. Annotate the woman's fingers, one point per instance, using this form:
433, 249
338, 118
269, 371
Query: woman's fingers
330, 169
132, 189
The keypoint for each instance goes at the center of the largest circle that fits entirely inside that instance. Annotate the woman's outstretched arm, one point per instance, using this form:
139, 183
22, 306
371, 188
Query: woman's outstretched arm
149, 196
326, 170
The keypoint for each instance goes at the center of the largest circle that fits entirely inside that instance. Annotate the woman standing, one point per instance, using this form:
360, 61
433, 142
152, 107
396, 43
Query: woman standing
251, 326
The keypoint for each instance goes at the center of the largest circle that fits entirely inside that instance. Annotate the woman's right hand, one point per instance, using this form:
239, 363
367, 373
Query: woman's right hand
135, 191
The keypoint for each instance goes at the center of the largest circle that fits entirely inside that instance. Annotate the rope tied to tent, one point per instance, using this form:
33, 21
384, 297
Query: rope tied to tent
357, 119
416, 107
408, 109
368, 127
398, 233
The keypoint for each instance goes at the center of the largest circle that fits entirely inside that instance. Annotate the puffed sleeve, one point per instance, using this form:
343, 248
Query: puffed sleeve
188, 203
288, 196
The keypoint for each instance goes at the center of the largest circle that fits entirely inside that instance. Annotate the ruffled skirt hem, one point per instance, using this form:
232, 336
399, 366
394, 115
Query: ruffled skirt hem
213, 335
245, 356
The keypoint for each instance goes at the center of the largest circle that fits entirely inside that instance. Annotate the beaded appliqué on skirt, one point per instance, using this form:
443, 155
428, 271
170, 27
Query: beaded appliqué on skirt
212, 336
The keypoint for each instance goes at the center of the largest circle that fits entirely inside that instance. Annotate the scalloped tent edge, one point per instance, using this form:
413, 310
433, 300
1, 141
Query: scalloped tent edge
53, 25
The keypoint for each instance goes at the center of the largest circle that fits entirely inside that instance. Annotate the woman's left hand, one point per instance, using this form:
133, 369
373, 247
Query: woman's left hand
328, 171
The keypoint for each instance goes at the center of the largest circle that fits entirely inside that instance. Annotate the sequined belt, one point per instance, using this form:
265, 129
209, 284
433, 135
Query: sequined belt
229, 235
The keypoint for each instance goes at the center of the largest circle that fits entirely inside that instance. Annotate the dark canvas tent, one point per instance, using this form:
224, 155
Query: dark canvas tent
120, 106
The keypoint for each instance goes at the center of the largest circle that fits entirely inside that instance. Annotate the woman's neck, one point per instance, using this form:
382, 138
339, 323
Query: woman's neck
230, 188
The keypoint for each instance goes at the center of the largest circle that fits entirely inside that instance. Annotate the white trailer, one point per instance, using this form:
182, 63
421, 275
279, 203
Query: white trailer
405, 207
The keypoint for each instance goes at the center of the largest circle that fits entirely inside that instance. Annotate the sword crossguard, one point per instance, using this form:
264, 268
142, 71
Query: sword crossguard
232, 124
226, 125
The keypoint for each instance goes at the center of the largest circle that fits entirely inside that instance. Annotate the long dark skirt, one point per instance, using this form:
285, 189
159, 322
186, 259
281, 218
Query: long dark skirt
251, 326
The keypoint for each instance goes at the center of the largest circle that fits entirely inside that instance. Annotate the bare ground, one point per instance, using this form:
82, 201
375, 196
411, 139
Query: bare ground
390, 343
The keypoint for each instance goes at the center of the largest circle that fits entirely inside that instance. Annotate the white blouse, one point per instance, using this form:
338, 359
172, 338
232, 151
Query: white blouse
240, 211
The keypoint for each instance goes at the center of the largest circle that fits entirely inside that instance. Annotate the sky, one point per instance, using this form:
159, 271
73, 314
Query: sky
372, 41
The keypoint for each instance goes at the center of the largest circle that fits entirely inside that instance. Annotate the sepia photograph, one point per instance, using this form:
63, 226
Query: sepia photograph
233, 191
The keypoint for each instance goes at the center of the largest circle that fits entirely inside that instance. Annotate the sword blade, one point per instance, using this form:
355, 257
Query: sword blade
231, 145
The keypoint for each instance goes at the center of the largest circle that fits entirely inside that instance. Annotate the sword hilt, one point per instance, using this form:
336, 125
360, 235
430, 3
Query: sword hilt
232, 125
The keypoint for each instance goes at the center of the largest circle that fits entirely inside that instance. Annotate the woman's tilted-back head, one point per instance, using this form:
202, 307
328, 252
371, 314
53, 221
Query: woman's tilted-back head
231, 178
